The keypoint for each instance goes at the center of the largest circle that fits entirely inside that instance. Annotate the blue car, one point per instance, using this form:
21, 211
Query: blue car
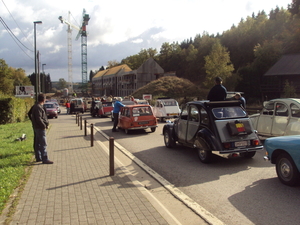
284, 152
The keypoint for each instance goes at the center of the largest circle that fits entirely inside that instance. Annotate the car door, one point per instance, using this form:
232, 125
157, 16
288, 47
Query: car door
280, 119
265, 120
182, 124
192, 123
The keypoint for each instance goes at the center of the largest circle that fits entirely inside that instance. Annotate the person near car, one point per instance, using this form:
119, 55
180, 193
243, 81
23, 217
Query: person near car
238, 96
40, 123
217, 92
68, 106
117, 107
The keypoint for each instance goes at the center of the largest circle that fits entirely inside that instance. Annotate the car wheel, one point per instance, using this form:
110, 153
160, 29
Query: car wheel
286, 170
153, 129
161, 119
204, 152
168, 139
248, 155
126, 131
56, 117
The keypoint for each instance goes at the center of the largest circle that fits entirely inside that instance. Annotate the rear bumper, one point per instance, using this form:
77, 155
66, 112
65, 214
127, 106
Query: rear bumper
142, 127
241, 150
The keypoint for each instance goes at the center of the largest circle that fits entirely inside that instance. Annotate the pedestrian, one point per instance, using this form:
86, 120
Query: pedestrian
117, 107
68, 106
218, 92
40, 123
238, 96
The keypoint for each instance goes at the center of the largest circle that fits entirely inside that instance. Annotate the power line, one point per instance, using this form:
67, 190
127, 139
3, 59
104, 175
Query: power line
17, 24
14, 37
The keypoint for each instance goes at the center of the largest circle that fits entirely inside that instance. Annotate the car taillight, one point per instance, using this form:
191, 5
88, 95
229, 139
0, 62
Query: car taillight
227, 145
255, 142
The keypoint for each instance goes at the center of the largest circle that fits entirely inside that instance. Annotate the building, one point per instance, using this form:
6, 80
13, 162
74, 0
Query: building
287, 68
122, 81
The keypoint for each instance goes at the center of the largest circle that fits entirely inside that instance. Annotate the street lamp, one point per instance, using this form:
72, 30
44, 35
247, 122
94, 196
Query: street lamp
35, 57
43, 78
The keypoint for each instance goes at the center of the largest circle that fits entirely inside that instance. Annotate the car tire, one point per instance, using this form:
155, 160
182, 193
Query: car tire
168, 139
248, 155
286, 170
161, 119
153, 129
204, 153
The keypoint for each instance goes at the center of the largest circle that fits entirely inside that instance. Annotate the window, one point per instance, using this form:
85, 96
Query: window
281, 110
295, 110
194, 114
184, 113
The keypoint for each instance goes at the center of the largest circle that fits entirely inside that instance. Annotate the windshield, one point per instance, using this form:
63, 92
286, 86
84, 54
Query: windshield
228, 112
49, 106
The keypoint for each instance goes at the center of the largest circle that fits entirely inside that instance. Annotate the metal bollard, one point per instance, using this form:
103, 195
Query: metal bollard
76, 114
80, 122
78, 119
85, 127
92, 135
111, 157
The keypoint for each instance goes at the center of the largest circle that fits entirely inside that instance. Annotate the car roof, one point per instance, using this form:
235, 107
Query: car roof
137, 105
215, 104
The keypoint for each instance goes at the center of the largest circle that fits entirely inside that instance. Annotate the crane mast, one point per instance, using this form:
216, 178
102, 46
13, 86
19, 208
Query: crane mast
81, 32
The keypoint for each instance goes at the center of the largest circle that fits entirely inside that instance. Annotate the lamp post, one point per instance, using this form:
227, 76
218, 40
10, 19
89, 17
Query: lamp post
37, 91
43, 79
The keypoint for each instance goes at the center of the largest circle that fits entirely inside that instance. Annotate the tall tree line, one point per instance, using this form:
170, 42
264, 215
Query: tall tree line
240, 55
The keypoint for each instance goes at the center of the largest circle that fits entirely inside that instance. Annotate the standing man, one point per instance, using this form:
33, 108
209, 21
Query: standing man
68, 106
117, 107
40, 123
238, 96
218, 92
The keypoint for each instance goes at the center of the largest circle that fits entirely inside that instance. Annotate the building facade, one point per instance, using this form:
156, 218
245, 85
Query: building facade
122, 81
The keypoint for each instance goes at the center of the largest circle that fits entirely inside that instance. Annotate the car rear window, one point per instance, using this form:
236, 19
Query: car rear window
49, 105
141, 111
228, 112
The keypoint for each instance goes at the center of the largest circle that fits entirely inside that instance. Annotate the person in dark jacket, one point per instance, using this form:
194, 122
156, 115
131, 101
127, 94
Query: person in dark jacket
218, 92
238, 96
39, 120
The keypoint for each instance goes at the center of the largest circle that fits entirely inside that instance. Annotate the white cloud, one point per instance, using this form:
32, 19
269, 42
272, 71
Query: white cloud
116, 30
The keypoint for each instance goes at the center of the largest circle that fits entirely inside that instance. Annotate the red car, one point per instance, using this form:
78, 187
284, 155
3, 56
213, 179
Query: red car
135, 117
51, 109
103, 109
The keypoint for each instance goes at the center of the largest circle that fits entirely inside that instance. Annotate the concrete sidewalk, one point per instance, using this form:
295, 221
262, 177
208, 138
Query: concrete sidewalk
77, 188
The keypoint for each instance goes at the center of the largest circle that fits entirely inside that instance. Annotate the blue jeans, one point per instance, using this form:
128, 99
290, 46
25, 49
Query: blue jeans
41, 143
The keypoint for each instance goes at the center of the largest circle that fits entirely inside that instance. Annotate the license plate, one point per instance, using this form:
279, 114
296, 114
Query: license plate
144, 122
173, 114
240, 143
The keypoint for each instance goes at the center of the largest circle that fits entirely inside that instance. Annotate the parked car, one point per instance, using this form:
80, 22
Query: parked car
51, 110
141, 101
103, 109
124, 102
166, 109
57, 106
279, 117
284, 153
135, 117
220, 127
77, 105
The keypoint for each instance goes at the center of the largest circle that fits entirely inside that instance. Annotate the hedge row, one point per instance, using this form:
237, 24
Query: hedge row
13, 110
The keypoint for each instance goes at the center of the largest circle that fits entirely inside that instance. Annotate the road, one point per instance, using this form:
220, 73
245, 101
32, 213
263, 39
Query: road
236, 191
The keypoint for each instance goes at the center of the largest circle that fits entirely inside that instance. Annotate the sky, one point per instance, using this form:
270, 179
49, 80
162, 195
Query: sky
117, 28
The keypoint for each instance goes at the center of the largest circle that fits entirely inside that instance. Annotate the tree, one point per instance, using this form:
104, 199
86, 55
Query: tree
112, 63
289, 90
217, 63
62, 83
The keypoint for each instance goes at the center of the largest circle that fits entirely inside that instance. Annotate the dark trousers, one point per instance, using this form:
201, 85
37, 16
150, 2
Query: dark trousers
41, 143
116, 120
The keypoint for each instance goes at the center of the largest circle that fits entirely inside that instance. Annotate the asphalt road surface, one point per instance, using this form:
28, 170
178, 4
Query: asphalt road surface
236, 191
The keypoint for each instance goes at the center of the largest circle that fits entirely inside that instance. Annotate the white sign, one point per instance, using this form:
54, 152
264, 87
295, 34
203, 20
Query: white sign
147, 96
24, 91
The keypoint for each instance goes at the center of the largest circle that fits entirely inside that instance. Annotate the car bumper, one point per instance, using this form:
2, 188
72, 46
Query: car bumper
139, 128
242, 150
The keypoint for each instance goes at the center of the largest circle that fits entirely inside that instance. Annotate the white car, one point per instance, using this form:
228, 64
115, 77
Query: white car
279, 117
166, 109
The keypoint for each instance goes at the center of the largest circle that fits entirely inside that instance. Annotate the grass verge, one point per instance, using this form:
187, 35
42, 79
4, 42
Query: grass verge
15, 159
